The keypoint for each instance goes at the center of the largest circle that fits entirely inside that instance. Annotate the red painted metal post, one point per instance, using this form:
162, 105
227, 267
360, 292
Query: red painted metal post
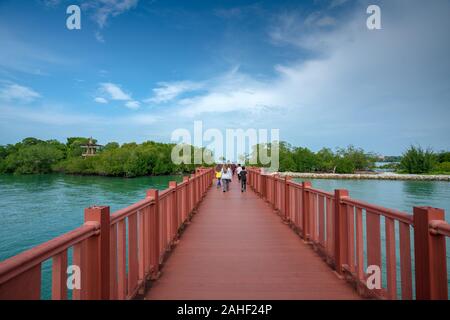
194, 190
430, 255
175, 221
286, 197
59, 276
153, 193
340, 227
306, 212
98, 251
186, 197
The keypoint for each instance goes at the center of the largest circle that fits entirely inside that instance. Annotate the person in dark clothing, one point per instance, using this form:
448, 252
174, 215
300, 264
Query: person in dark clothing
233, 168
243, 175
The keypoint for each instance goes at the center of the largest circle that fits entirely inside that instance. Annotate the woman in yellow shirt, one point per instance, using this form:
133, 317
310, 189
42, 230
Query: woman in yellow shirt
218, 176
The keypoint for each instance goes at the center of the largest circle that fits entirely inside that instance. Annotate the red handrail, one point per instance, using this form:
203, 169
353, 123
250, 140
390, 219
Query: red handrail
333, 224
144, 231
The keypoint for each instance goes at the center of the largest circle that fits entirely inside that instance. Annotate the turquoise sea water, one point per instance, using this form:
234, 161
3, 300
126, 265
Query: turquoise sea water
37, 208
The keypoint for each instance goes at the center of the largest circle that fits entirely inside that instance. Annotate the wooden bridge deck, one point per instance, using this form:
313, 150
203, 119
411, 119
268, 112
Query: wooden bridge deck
237, 248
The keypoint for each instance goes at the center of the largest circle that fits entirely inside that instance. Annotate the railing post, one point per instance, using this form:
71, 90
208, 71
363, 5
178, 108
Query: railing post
305, 206
340, 226
187, 195
430, 256
263, 186
98, 282
154, 193
194, 190
286, 197
175, 216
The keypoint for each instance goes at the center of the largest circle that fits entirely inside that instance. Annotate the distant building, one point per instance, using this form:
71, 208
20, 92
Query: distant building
90, 149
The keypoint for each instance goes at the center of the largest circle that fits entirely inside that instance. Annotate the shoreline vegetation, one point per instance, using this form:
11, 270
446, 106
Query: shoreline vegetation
367, 176
354, 163
35, 156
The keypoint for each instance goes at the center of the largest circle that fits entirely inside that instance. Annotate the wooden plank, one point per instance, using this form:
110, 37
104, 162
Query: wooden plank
236, 248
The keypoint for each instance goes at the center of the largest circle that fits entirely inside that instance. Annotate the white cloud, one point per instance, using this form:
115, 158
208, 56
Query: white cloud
57, 116
358, 83
100, 100
326, 21
114, 92
111, 91
133, 104
99, 37
15, 92
51, 3
168, 91
105, 9
337, 3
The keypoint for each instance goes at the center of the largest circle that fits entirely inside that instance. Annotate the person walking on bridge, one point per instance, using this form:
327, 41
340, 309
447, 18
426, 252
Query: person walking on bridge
243, 176
226, 177
218, 175
238, 171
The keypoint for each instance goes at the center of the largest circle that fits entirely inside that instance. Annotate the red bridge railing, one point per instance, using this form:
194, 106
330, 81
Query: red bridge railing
348, 234
116, 254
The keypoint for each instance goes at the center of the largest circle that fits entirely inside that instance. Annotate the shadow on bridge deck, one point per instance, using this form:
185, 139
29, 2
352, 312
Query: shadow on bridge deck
237, 248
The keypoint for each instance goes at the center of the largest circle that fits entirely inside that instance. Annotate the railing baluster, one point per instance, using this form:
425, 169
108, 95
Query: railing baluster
391, 259
141, 245
351, 237
373, 240
121, 260
133, 264
113, 261
322, 220
79, 260
359, 245
405, 261
59, 276
329, 208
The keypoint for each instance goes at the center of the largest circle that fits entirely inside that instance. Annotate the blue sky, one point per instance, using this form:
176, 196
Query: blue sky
137, 70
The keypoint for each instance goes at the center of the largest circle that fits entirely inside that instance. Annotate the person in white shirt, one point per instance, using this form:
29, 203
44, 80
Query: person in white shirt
226, 177
238, 171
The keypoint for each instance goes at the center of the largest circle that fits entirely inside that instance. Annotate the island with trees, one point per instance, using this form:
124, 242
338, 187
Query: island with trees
35, 156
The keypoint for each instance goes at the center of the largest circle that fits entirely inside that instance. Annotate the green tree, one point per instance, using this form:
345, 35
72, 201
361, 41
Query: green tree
326, 160
74, 146
29, 159
344, 165
417, 160
305, 160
